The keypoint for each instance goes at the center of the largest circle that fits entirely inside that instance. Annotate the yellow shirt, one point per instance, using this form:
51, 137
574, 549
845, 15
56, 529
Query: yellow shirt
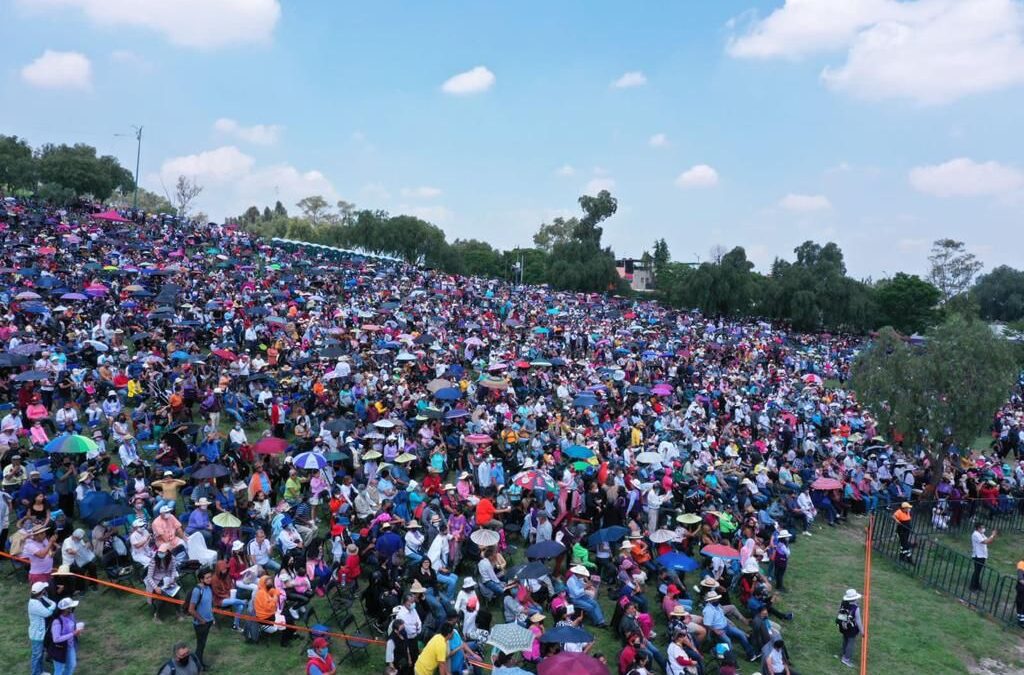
432, 656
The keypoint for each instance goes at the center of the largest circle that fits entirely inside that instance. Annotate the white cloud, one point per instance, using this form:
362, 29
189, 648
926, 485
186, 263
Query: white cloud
233, 181
566, 170
259, 134
59, 70
805, 203
928, 51
658, 141
595, 185
126, 57
203, 24
421, 192
375, 191
633, 78
439, 215
698, 176
963, 177
473, 81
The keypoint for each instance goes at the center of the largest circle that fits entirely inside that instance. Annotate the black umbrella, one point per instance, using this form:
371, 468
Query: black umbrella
210, 471
339, 425
331, 352
13, 360
531, 570
545, 550
175, 441
109, 512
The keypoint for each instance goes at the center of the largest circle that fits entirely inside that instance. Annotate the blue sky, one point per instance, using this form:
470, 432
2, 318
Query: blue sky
879, 124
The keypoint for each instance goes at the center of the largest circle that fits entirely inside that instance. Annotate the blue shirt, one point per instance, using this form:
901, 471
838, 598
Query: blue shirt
202, 598
575, 587
714, 617
198, 520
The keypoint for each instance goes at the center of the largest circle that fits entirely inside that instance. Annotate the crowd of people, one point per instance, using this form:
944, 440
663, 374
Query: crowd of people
482, 472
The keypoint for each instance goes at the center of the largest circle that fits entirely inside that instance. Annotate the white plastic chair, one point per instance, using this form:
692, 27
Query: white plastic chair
196, 547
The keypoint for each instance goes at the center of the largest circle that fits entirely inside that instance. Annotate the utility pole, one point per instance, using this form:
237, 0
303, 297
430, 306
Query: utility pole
138, 156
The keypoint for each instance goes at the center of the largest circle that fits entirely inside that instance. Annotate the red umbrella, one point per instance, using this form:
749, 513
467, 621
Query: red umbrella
826, 484
571, 663
479, 439
225, 354
270, 446
522, 364
721, 551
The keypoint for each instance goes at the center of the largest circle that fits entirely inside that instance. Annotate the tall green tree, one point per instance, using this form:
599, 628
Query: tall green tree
18, 169
479, 258
953, 268
1000, 294
313, 208
558, 231
78, 168
942, 392
907, 303
580, 263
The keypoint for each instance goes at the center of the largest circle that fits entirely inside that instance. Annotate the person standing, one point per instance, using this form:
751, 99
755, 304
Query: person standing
1020, 594
40, 608
200, 606
850, 626
39, 550
434, 656
902, 518
320, 661
979, 553
64, 632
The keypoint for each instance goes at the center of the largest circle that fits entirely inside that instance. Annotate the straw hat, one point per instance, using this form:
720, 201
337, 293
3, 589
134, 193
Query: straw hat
417, 587
712, 596
537, 618
708, 582
580, 570
625, 545
680, 611
851, 595
413, 525
468, 583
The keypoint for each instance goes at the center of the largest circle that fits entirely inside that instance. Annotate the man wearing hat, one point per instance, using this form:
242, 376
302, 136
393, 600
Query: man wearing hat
716, 623
39, 550
903, 526
77, 553
199, 520
320, 661
581, 594
40, 608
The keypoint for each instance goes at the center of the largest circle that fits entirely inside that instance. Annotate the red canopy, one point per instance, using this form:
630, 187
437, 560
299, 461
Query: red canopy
111, 215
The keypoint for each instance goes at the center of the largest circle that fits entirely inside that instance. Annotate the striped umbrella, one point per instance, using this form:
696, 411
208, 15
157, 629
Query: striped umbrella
310, 461
71, 444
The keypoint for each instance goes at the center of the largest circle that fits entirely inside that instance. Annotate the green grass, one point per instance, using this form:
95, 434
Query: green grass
914, 629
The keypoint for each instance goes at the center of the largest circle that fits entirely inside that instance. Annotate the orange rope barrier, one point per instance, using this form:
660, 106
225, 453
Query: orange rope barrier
867, 595
224, 612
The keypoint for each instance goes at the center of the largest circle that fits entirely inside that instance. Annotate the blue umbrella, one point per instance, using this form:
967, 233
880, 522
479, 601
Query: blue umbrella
564, 634
578, 452
448, 394
678, 561
181, 356
541, 330
455, 414
637, 389
584, 401
608, 535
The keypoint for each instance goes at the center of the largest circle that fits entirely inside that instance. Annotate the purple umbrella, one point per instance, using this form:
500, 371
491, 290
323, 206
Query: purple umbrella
74, 296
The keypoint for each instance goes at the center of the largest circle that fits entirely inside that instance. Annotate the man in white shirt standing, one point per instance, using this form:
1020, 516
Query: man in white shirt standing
979, 552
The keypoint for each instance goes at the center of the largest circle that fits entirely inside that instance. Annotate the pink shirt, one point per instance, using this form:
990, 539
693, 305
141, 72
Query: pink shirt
37, 565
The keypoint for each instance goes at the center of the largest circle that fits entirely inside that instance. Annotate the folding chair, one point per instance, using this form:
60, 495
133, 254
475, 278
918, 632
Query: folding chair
357, 649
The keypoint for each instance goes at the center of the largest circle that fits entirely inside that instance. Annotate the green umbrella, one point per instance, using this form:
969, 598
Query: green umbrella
72, 443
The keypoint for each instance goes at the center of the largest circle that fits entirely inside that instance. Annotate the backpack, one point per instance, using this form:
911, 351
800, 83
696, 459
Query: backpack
846, 618
56, 652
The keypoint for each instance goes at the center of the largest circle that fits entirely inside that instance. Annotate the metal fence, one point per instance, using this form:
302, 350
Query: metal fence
955, 517
947, 570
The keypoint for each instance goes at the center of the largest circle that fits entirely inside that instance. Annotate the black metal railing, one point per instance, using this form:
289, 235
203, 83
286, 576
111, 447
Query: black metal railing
948, 570
953, 517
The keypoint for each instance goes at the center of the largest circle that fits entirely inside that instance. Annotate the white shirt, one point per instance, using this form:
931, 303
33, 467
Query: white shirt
979, 549
76, 551
259, 554
411, 618
674, 653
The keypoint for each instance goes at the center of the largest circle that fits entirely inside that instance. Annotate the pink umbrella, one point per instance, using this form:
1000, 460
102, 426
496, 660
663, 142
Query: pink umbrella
662, 389
826, 484
479, 439
110, 216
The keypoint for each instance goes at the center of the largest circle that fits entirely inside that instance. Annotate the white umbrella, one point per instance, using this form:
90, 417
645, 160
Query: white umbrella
661, 536
648, 458
384, 424
485, 538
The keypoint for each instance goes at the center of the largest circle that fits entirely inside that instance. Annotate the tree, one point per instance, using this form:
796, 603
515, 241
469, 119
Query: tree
579, 263
279, 210
939, 394
251, 215
907, 303
77, 168
312, 207
1000, 294
478, 258
716, 252
149, 202
267, 214
952, 268
558, 231
185, 192
661, 257
17, 165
